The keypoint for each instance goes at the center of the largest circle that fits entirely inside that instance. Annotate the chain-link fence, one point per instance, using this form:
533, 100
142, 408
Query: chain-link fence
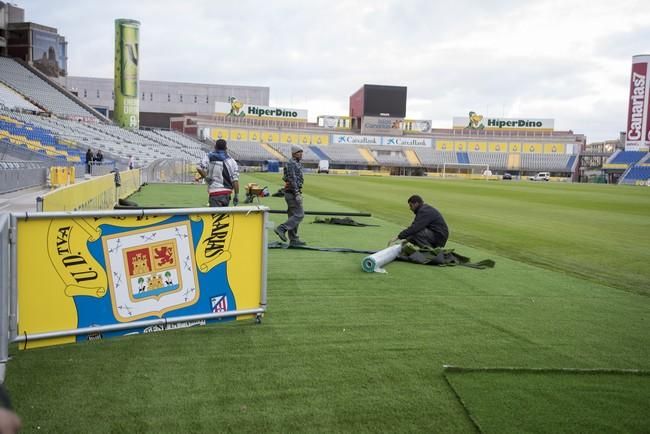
173, 171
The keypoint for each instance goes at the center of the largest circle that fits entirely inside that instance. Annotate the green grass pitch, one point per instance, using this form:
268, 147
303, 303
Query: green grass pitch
340, 350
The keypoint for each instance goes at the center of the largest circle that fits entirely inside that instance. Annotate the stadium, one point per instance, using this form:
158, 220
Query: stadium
130, 306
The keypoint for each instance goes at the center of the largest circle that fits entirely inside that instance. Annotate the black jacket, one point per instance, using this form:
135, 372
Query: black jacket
426, 217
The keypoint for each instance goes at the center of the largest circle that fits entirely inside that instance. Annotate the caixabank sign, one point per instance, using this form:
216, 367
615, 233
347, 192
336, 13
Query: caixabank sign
476, 121
235, 108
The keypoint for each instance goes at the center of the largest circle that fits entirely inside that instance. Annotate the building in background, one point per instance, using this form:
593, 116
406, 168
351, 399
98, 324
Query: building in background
162, 100
36, 44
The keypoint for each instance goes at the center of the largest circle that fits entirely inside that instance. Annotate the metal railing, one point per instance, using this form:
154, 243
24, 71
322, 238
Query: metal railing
16, 175
169, 171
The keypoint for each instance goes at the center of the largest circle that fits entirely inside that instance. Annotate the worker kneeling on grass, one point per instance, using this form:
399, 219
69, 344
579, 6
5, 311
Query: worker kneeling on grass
428, 229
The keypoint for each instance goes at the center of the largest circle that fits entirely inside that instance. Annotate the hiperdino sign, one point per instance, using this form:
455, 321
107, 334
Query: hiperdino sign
475, 121
237, 109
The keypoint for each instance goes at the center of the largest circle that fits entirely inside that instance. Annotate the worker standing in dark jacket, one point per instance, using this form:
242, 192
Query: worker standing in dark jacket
293, 180
428, 229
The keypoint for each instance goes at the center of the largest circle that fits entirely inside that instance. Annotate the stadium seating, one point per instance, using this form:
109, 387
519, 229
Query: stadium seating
346, 154
249, 152
495, 160
11, 100
544, 162
308, 156
76, 137
636, 174
389, 155
16, 76
626, 157
36, 139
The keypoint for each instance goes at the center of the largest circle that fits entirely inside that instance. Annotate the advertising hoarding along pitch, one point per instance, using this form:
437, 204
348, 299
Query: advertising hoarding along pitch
123, 272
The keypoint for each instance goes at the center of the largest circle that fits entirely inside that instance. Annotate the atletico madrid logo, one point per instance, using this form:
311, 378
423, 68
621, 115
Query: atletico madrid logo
219, 303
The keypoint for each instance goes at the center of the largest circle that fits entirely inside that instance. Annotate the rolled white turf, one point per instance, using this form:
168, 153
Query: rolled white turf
376, 261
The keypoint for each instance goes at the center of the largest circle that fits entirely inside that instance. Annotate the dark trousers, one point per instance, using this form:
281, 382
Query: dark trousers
219, 201
427, 238
295, 212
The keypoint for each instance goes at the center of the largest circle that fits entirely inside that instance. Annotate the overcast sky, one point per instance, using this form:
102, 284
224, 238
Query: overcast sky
565, 60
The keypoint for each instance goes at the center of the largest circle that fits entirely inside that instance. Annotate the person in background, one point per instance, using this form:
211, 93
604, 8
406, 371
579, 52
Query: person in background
293, 180
428, 229
99, 157
221, 173
131, 162
10, 422
89, 160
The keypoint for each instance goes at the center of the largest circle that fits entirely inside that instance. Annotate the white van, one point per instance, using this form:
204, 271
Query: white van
541, 176
324, 166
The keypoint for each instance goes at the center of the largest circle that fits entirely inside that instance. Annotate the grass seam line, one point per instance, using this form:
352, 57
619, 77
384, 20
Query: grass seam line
468, 413
518, 369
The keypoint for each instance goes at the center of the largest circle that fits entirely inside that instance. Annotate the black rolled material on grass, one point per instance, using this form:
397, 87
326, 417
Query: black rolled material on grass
271, 211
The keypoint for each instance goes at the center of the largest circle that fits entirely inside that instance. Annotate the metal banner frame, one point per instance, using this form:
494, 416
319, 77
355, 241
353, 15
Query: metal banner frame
5, 285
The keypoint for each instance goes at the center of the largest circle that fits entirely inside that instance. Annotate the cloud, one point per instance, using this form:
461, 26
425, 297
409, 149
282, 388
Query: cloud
545, 58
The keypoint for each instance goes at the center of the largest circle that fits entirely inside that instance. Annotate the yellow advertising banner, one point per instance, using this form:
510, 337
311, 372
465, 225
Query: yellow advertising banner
219, 133
305, 139
95, 194
460, 146
477, 146
515, 147
270, 137
444, 145
554, 148
531, 148
239, 135
254, 136
289, 138
106, 270
498, 147
320, 139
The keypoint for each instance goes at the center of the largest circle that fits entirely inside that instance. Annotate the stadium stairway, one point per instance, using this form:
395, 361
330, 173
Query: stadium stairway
514, 161
273, 152
365, 153
412, 157
462, 157
569, 164
639, 173
319, 152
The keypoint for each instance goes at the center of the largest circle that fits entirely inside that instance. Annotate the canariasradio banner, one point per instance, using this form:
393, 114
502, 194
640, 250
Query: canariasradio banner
78, 272
637, 134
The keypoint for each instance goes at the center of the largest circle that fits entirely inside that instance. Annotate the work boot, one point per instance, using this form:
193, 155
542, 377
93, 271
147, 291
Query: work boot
297, 243
280, 232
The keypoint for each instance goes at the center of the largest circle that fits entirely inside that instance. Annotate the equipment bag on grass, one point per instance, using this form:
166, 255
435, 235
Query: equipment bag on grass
439, 256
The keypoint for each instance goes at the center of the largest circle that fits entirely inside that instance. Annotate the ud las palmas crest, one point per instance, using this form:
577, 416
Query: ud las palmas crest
151, 271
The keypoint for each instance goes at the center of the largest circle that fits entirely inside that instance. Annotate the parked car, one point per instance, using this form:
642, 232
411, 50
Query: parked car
541, 176
324, 166
506, 176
